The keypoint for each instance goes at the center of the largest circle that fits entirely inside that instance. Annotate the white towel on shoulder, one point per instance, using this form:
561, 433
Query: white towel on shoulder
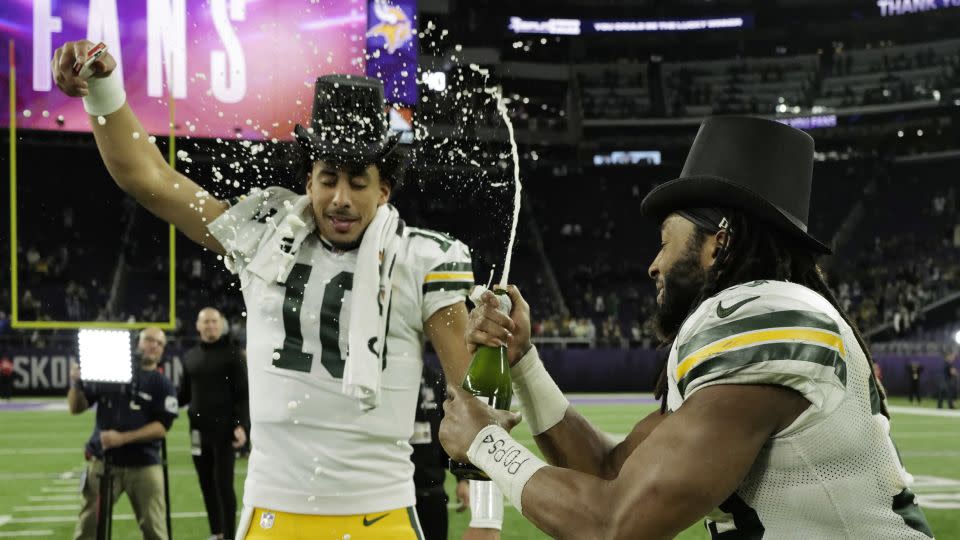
370, 307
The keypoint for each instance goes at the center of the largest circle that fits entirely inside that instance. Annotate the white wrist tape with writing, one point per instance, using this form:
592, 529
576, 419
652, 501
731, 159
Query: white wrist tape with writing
106, 95
486, 505
508, 463
541, 401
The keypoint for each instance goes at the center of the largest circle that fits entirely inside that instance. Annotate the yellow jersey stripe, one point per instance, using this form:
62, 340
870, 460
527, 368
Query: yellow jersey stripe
449, 276
808, 335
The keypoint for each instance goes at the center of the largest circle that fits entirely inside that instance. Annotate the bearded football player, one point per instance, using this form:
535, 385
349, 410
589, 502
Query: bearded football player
340, 295
772, 424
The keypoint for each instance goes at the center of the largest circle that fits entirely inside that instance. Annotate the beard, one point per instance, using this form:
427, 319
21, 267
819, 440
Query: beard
681, 287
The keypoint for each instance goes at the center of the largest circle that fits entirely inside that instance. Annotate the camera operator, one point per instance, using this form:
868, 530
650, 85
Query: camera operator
129, 426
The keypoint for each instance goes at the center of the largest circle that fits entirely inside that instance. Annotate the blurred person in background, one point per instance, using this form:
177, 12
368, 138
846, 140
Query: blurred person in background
431, 461
914, 369
6, 378
130, 429
948, 381
214, 384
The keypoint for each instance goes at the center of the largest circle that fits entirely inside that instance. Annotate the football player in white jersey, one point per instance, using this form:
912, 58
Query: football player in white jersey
340, 295
772, 423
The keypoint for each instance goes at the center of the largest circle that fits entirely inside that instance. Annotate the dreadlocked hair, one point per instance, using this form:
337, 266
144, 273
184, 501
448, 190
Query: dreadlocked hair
756, 251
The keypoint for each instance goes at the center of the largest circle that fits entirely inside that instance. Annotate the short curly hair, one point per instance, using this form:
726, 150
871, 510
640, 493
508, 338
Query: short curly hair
392, 166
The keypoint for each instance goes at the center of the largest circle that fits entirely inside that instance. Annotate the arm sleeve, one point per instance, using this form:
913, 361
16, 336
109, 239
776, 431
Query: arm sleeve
448, 276
773, 338
165, 407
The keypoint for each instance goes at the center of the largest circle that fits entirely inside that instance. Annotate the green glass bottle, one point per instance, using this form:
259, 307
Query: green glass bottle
487, 378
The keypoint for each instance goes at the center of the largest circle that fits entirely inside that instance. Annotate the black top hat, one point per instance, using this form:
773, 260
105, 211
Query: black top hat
348, 120
761, 167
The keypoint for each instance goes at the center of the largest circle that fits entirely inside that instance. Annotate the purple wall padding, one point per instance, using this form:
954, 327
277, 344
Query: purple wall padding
896, 377
45, 371
599, 370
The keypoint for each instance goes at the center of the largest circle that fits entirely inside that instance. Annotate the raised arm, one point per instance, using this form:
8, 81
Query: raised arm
135, 164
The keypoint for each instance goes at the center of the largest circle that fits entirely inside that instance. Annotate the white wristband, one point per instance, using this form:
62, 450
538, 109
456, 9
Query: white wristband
486, 505
106, 95
541, 401
508, 463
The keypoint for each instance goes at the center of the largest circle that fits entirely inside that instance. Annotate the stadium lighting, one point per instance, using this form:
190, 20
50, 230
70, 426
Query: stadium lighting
900, 134
105, 356
435, 80
956, 337
919, 133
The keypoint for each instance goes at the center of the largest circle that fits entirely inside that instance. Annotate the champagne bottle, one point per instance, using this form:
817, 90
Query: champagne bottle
488, 379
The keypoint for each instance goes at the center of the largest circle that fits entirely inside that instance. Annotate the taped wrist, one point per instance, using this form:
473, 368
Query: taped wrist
106, 95
508, 463
541, 401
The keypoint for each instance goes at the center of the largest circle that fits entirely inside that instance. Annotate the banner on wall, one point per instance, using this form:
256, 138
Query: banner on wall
392, 48
235, 67
44, 370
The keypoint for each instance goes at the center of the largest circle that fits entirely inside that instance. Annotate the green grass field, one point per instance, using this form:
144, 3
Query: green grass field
40, 458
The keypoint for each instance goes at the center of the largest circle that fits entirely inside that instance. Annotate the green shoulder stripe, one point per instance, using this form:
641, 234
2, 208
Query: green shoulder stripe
453, 267
774, 319
443, 240
767, 352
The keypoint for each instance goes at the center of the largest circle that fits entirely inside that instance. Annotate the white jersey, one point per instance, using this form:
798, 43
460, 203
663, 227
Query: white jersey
314, 451
834, 472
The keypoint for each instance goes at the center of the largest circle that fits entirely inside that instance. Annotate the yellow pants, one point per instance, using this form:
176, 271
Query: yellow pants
261, 524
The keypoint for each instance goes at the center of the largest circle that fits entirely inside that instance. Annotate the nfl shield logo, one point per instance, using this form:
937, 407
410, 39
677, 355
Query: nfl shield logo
266, 520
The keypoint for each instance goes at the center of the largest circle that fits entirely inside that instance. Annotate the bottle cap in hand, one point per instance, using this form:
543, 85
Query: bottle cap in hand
84, 70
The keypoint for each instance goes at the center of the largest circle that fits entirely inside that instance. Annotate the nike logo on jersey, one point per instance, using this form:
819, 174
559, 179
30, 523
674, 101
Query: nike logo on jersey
369, 522
723, 312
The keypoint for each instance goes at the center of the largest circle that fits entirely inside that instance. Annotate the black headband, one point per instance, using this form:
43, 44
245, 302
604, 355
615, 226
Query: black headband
711, 219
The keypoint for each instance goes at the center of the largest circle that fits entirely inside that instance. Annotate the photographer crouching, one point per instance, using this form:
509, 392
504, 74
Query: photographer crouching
129, 427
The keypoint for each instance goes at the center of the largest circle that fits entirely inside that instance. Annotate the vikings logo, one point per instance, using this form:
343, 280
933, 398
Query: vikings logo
394, 26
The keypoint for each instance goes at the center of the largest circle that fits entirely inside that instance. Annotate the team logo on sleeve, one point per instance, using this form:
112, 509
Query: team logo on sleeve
266, 520
171, 404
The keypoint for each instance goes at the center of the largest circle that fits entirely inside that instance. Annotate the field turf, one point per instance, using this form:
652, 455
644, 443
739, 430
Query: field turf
40, 461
